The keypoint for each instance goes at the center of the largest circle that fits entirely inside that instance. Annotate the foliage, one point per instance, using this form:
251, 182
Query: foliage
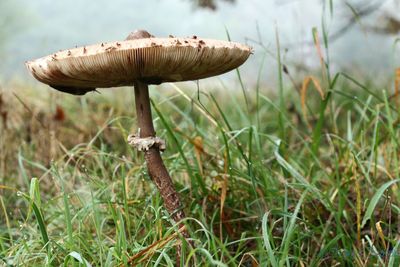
257, 190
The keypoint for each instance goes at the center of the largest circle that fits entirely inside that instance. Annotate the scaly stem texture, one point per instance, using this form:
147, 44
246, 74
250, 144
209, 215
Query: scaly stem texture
155, 165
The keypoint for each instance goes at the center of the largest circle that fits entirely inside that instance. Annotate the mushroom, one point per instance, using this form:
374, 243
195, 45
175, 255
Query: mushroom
141, 60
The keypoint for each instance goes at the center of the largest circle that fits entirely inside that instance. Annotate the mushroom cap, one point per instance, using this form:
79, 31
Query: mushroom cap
149, 60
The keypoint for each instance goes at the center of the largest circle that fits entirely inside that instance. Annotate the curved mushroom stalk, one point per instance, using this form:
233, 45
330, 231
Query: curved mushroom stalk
155, 164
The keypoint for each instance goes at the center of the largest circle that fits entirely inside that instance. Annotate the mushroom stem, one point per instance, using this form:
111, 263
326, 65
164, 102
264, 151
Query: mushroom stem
155, 165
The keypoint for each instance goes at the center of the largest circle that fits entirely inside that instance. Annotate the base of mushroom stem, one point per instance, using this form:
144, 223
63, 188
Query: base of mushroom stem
158, 173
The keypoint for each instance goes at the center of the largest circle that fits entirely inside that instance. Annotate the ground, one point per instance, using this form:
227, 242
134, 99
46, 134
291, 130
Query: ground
268, 177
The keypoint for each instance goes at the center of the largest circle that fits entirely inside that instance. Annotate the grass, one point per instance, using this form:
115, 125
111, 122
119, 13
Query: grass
73, 193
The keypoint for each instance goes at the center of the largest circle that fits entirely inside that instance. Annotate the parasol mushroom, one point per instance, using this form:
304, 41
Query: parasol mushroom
141, 60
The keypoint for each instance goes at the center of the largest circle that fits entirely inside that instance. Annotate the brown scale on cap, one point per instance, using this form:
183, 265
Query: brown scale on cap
111, 48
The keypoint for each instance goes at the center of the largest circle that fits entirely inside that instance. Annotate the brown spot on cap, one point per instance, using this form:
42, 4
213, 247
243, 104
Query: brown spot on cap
110, 48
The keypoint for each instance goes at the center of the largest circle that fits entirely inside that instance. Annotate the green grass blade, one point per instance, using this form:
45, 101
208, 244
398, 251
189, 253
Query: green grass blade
75, 255
282, 101
326, 249
40, 222
374, 200
289, 231
394, 259
267, 243
178, 146
317, 132
67, 212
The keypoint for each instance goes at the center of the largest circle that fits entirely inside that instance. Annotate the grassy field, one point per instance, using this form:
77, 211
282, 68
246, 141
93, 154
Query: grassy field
269, 177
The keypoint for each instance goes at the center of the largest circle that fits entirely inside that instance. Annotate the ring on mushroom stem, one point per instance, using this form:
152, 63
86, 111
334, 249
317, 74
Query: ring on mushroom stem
141, 60
143, 144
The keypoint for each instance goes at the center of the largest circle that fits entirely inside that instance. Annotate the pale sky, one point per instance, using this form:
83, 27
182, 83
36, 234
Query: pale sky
48, 26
